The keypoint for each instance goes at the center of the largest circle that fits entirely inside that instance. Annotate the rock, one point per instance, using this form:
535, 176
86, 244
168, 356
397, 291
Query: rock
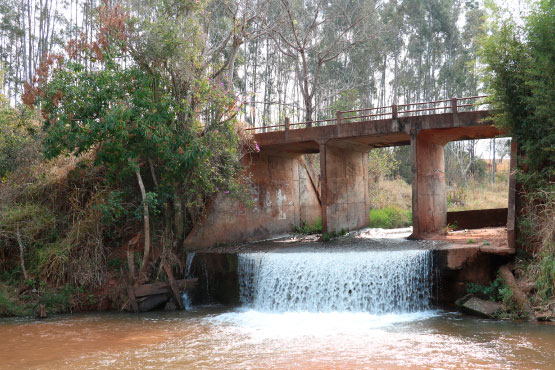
151, 302
545, 316
170, 306
476, 306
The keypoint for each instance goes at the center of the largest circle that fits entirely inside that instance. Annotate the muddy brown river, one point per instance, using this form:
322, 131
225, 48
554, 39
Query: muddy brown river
223, 338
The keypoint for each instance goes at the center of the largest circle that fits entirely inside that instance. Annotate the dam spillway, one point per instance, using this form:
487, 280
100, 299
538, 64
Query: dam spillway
376, 282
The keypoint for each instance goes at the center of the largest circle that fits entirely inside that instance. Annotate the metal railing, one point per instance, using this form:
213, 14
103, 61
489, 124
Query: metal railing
454, 105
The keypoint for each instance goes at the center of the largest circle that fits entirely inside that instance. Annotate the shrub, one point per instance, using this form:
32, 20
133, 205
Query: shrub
304, 228
390, 218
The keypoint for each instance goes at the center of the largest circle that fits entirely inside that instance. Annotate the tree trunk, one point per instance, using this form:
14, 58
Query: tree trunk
520, 298
146, 220
21, 253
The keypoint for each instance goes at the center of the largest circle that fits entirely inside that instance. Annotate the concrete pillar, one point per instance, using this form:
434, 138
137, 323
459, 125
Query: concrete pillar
429, 199
344, 182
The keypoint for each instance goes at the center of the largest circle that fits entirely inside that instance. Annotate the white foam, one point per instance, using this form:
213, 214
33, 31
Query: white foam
318, 324
377, 282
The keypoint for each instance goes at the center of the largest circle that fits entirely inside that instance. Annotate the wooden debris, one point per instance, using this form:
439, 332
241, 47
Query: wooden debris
173, 286
520, 299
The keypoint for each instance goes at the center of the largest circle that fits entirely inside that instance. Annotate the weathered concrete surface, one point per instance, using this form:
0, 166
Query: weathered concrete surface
454, 265
378, 133
284, 192
429, 200
282, 195
344, 174
476, 219
461, 264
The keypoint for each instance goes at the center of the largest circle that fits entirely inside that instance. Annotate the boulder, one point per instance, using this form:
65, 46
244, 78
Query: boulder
479, 307
152, 302
170, 306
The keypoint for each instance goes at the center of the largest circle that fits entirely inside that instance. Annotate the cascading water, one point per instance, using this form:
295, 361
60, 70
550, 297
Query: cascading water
187, 302
377, 282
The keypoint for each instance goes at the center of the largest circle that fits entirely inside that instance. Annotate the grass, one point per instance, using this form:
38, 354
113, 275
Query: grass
306, 229
386, 193
478, 196
390, 218
9, 303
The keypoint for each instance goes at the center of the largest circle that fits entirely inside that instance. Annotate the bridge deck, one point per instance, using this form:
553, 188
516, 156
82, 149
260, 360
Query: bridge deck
391, 127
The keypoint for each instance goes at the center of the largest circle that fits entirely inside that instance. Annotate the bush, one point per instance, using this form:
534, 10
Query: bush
304, 228
390, 218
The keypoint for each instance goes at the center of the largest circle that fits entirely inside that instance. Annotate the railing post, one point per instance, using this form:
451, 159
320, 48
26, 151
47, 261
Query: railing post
394, 111
339, 117
454, 105
286, 123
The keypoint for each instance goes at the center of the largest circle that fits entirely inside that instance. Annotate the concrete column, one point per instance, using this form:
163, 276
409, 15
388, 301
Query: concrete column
344, 182
429, 199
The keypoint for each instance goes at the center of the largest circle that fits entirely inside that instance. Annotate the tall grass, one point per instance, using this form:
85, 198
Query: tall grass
478, 195
390, 218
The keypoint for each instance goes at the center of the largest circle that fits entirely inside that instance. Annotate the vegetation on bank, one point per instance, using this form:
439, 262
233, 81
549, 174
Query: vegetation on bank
390, 218
125, 138
520, 65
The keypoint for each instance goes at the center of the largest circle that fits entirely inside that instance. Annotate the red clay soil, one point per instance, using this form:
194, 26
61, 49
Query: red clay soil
490, 238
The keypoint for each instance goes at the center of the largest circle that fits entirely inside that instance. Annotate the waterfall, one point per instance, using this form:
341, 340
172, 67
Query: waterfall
377, 282
187, 301
188, 263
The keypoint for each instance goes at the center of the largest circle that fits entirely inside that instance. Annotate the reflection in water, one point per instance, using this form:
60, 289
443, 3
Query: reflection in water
212, 338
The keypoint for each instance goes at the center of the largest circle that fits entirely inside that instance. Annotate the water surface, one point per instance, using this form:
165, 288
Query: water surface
220, 338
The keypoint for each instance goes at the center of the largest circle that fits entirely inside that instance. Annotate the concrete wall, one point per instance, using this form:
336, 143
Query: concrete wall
344, 176
282, 195
478, 218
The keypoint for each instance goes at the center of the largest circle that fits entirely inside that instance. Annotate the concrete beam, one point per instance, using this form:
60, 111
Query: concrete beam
381, 132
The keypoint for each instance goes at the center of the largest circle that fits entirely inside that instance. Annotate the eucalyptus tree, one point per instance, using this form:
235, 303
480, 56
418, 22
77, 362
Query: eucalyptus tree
312, 33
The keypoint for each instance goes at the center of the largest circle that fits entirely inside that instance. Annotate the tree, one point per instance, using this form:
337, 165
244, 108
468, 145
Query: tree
310, 45
519, 73
159, 116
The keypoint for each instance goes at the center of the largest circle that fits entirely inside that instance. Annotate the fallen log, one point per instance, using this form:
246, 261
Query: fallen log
519, 297
173, 286
132, 298
163, 287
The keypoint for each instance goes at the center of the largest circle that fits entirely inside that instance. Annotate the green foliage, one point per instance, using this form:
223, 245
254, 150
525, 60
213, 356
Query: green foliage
304, 228
18, 137
159, 121
390, 218
495, 291
546, 277
8, 305
520, 70
347, 100
326, 237
381, 163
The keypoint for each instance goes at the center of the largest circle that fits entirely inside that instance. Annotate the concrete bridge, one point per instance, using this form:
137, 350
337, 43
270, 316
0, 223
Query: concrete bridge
286, 192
